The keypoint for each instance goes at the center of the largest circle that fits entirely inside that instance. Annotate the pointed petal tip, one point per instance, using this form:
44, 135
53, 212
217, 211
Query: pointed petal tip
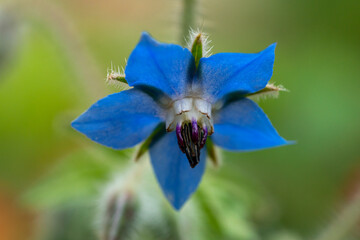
290, 142
145, 34
269, 50
178, 202
271, 47
178, 207
146, 37
75, 123
282, 143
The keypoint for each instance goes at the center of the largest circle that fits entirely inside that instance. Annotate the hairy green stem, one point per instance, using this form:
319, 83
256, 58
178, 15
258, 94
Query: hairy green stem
188, 18
345, 222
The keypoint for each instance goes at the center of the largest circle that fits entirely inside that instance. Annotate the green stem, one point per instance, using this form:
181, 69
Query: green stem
346, 221
188, 18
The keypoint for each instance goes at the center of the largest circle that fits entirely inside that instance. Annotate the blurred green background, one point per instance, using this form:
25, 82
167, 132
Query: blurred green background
54, 57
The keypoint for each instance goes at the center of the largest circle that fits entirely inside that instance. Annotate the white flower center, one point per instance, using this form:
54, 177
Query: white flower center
187, 110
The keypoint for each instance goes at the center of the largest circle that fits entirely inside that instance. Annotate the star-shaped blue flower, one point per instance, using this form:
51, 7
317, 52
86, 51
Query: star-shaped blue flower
191, 103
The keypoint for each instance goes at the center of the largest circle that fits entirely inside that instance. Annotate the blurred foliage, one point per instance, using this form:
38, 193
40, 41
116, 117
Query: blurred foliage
48, 76
69, 196
9, 32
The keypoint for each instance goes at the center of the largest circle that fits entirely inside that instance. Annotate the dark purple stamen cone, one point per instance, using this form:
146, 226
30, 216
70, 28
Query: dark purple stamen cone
191, 140
195, 131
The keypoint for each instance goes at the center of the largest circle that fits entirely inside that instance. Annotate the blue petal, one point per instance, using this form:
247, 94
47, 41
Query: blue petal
224, 73
172, 169
168, 67
243, 126
120, 120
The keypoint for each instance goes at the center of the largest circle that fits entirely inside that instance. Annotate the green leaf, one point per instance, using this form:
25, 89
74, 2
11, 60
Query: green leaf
120, 214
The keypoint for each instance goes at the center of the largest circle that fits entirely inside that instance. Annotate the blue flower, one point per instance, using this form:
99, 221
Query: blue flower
189, 103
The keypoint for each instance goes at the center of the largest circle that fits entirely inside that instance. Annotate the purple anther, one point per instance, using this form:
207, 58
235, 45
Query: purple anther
204, 136
194, 131
180, 138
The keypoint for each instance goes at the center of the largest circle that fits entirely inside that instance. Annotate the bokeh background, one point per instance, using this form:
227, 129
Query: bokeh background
55, 183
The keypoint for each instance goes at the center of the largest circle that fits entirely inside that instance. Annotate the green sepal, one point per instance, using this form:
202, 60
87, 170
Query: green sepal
116, 76
212, 153
120, 78
158, 132
197, 49
269, 91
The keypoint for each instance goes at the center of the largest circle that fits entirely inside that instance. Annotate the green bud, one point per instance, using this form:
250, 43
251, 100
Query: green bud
198, 44
119, 216
197, 49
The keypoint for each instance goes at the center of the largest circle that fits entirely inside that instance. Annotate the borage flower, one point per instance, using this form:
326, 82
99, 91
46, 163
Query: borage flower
180, 101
